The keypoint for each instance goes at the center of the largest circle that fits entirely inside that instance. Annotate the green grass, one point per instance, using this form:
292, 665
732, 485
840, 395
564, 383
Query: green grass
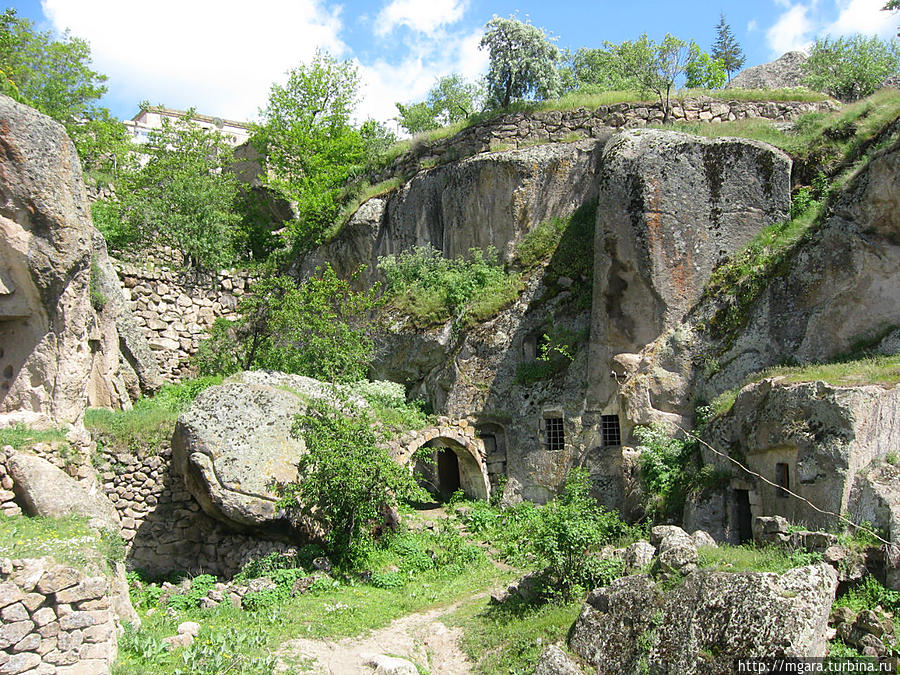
334, 611
69, 540
507, 640
20, 436
876, 370
149, 424
749, 558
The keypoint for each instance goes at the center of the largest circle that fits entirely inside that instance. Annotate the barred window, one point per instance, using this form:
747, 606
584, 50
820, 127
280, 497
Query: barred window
554, 435
609, 427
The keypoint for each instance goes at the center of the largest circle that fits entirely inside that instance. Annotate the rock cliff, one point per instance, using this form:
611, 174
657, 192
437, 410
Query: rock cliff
54, 348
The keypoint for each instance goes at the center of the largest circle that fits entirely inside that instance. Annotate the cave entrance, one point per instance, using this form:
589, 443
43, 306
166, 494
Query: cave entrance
743, 516
447, 473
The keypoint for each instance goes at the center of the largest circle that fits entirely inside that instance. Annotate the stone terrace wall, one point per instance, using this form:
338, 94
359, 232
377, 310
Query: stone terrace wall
177, 309
55, 619
162, 524
514, 130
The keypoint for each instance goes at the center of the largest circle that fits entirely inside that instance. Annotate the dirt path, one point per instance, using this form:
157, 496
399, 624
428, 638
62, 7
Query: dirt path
420, 637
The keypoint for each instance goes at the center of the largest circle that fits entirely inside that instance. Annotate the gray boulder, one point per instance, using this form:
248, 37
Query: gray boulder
638, 555
783, 73
235, 442
701, 625
45, 490
554, 661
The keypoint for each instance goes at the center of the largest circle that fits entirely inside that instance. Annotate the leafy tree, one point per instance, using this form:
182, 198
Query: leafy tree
450, 100
523, 62
726, 48
416, 117
656, 67
850, 68
310, 145
347, 479
317, 328
104, 145
703, 71
53, 76
182, 196
600, 70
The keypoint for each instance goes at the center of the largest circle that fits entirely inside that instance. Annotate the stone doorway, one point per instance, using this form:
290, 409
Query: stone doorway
447, 473
743, 516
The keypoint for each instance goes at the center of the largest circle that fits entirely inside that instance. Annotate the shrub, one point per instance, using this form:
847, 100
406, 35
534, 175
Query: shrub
850, 68
666, 465
317, 328
200, 586
567, 535
346, 479
431, 289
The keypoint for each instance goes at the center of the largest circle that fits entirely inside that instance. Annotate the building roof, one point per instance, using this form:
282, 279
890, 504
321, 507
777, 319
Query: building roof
197, 116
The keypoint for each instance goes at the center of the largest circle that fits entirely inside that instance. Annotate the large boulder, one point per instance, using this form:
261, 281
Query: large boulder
54, 347
235, 442
671, 207
785, 72
45, 490
701, 625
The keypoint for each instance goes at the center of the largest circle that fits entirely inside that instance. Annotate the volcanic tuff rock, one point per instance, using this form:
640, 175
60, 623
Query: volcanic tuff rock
840, 286
45, 490
782, 73
670, 207
702, 624
235, 441
825, 434
49, 332
491, 199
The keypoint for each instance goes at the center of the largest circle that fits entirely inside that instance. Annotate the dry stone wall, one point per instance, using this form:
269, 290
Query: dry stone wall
162, 524
175, 310
517, 130
55, 619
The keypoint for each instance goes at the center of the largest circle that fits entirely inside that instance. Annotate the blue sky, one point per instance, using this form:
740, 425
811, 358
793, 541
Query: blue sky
221, 56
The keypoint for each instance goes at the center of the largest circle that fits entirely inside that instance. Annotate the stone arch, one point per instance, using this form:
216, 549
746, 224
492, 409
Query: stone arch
469, 451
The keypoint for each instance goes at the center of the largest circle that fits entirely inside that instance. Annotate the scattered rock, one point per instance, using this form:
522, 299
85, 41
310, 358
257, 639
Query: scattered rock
189, 627
639, 555
701, 538
783, 73
389, 665
554, 661
46, 490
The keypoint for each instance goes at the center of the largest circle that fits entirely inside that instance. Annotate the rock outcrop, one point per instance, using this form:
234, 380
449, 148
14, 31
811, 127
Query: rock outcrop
782, 73
45, 490
702, 624
53, 345
491, 199
823, 435
235, 442
670, 207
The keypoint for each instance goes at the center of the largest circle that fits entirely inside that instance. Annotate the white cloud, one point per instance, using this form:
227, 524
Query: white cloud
220, 56
801, 22
863, 16
793, 31
384, 84
752, 25
424, 16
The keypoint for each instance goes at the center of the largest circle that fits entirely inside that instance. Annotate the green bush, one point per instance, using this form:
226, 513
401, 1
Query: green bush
200, 586
346, 479
431, 289
850, 68
668, 466
317, 328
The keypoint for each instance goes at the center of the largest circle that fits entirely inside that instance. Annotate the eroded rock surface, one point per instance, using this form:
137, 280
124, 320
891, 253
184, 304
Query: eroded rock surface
702, 624
235, 442
46, 490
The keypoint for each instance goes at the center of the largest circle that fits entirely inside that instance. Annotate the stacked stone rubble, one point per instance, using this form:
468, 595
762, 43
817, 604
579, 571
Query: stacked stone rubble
175, 310
54, 619
515, 130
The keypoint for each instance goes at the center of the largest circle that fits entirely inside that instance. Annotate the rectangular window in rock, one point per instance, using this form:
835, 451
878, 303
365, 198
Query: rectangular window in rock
782, 478
554, 437
609, 427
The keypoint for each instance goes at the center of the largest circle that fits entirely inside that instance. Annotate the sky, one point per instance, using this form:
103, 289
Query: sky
221, 56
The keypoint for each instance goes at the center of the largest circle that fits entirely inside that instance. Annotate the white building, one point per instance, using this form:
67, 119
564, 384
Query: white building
152, 117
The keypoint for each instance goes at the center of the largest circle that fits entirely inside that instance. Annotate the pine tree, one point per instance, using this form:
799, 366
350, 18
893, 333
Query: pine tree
727, 49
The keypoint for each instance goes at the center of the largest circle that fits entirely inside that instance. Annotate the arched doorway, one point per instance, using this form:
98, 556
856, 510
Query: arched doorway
453, 466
